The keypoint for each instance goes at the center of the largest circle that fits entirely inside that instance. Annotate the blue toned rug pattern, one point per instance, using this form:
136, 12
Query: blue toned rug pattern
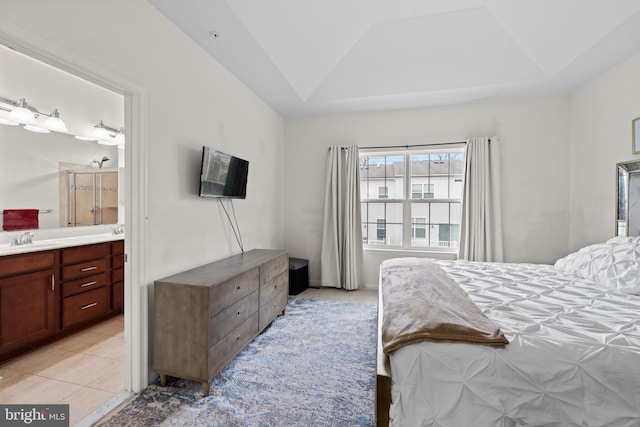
314, 366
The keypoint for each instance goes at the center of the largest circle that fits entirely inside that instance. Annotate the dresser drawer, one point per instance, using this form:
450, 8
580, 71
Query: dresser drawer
84, 284
272, 308
226, 293
84, 307
272, 269
274, 287
83, 253
84, 269
226, 349
230, 318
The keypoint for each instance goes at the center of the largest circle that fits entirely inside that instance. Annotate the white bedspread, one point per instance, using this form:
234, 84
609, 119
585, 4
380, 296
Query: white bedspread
573, 357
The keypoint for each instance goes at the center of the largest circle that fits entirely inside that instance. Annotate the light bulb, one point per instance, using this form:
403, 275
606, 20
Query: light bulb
8, 122
5, 118
100, 132
54, 122
21, 112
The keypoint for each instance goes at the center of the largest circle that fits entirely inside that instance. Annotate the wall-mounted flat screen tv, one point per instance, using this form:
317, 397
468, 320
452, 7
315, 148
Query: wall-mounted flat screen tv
223, 175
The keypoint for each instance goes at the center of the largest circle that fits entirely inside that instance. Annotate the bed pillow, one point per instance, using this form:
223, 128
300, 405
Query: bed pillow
616, 264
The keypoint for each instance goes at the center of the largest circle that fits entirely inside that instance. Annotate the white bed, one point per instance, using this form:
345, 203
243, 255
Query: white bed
573, 357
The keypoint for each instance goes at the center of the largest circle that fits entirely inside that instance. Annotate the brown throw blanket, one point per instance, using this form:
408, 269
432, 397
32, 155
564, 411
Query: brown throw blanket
421, 302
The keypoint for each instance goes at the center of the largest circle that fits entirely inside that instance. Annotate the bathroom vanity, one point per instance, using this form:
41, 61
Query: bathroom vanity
56, 288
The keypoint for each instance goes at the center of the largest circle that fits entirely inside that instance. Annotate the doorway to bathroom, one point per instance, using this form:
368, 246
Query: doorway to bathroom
131, 99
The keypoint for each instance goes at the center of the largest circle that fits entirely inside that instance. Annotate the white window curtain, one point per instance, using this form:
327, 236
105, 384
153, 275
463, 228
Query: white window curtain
341, 256
481, 222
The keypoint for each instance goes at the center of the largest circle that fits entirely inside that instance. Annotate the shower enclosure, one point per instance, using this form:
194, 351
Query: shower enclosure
92, 197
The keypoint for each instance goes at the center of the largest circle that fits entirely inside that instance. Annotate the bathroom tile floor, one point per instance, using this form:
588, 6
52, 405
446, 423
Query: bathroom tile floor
85, 370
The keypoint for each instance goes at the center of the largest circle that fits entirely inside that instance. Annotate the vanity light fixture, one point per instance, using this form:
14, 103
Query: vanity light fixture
107, 135
13, 113
100, 131
54, 122
21, 112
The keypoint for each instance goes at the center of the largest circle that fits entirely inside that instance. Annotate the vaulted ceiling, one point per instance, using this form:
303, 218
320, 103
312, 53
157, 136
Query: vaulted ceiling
308, 57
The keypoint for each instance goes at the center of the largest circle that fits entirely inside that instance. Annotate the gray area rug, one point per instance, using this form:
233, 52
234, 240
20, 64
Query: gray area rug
315, 366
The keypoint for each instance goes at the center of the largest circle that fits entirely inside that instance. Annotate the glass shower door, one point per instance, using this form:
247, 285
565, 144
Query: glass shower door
93, 198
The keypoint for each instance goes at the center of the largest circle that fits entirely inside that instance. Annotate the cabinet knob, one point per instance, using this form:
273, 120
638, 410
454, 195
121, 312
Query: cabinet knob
238, 314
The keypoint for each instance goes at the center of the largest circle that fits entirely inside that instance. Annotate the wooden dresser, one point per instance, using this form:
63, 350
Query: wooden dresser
205, 316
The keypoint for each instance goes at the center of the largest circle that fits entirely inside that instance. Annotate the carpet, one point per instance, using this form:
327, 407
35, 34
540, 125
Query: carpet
314, 366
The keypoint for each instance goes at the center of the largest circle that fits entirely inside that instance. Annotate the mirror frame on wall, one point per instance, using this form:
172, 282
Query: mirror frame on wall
624, 172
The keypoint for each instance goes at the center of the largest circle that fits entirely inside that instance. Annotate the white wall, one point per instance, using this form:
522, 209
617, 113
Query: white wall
535, 173
601, 115
192, 101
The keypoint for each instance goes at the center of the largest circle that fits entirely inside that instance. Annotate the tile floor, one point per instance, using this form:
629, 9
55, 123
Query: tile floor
85, 371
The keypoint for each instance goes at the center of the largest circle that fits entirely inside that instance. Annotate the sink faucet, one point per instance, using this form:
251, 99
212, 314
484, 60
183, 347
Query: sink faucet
119, 229
25, 238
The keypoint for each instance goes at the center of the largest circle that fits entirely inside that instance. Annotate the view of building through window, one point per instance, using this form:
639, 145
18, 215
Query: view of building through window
411, 199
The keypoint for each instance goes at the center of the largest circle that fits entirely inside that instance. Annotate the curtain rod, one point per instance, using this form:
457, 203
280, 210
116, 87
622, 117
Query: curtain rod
414, 145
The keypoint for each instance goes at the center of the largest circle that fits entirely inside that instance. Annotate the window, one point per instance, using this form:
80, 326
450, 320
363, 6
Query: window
422, 191
381, 229
383, 192
411, 199
418, 228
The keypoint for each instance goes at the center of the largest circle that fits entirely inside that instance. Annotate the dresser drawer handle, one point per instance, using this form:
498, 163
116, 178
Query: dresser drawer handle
89, 268
89, 306
238, 288
238, 314
238, 338
88, 284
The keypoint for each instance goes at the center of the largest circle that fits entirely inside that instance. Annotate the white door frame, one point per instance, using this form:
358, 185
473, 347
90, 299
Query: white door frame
136, 125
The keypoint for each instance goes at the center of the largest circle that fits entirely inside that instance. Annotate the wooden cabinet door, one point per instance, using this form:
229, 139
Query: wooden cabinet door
26, 310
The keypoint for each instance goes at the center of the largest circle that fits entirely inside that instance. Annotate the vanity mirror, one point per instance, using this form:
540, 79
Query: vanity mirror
69, 181
55, 175
628, 198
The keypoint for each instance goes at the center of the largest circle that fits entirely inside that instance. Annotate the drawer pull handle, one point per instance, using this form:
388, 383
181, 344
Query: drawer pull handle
89, 306
238, 288
238, 314
238, 338
88, 284
89, 268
